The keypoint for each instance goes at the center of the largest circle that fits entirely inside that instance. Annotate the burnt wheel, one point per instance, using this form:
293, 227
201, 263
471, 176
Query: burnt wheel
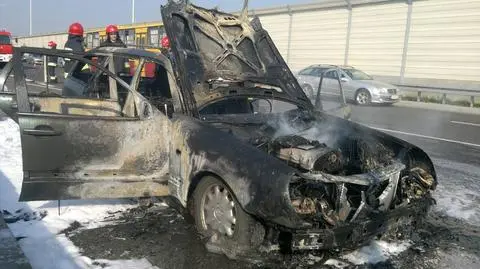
220, 219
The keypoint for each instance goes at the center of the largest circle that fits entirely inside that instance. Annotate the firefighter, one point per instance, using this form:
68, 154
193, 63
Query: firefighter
113, 40
166, 49
52, 63
113, 37
74, 43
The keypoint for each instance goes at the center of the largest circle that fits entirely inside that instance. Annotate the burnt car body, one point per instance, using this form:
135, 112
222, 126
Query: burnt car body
248, 176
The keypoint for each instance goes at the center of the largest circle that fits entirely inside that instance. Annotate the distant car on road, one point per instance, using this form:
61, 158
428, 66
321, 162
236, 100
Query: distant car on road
357, 85
33, 59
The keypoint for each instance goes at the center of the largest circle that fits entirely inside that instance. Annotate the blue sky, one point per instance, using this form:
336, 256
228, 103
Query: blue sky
56, 15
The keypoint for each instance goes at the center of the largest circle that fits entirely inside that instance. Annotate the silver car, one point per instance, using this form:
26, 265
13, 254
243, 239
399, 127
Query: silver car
357, 85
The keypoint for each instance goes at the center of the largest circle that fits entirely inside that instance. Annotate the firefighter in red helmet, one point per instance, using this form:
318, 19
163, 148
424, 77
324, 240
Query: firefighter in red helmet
52, 64
74, 43
52, 44
113, 37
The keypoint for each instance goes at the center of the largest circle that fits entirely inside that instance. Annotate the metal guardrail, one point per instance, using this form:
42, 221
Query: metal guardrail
440, 90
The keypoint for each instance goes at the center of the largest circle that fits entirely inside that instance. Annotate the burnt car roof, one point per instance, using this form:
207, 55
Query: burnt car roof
140, 53
330, 66
211, 46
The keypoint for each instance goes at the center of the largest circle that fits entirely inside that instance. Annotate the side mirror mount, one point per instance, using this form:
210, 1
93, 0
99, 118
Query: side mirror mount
147, 110
344, 79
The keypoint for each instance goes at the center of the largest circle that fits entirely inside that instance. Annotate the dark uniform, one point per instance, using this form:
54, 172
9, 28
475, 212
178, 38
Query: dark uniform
117, 43
75, 44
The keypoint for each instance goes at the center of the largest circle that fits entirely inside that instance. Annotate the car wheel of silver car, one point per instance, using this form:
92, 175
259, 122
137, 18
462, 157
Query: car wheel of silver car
363, 97
220, 218
308, 91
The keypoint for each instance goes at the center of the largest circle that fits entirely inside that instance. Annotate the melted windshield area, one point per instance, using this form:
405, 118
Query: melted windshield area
4, 40
357, 74
247, 105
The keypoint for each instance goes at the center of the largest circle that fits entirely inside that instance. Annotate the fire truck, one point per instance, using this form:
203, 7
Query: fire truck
6, 48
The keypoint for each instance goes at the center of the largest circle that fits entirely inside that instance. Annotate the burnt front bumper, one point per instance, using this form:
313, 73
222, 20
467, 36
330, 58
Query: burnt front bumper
352, 235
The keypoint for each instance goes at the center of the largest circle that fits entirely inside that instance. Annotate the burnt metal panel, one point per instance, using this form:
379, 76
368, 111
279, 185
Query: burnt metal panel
210, 45
76, 153
259, 181
19, 84
8, 99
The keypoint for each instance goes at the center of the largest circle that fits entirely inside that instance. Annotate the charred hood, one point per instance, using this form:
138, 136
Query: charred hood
217, 55
314, 141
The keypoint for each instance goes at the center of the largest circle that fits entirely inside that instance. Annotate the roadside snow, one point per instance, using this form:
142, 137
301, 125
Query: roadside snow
39, 222
377, 251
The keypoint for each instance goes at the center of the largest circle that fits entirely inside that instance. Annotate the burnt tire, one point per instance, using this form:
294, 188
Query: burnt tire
226, 227
363, 97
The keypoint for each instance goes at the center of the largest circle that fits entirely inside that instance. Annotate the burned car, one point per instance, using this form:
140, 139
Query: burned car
224, 129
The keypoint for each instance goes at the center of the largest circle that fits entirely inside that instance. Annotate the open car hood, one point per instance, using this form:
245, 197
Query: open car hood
211, 46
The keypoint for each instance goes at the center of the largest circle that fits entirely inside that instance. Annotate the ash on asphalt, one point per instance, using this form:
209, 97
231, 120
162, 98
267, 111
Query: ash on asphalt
161, 235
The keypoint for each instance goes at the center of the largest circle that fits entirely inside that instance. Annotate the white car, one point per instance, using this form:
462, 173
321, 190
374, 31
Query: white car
357, 85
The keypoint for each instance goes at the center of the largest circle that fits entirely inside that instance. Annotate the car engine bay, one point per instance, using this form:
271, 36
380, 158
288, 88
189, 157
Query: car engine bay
342, 176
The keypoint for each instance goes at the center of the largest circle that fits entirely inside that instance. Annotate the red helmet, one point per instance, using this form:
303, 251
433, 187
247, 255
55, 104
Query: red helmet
111, 29
52, 44
165, 42
76, 29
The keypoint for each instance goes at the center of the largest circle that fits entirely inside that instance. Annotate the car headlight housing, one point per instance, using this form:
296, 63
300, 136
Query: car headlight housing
382, 90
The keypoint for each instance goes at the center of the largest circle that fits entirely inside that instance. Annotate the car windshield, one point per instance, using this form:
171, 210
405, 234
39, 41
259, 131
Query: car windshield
356, 74
4, 40
248, 105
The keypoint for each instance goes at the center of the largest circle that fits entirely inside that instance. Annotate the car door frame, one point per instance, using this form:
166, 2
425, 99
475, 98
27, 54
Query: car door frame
344, 111
8, 99
347, 87
82, 183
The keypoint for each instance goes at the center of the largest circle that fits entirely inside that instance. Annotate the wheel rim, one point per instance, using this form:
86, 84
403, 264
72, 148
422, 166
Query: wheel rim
362, 97
218, 210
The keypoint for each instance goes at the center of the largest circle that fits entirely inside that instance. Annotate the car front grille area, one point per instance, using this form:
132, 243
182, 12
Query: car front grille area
392, 91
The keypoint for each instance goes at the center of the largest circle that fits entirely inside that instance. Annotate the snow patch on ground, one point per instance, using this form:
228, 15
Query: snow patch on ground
40, 222
458, 192
456, 259
377, 251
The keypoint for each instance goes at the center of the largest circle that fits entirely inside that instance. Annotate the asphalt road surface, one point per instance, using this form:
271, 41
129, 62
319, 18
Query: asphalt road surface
35, 79
445, 135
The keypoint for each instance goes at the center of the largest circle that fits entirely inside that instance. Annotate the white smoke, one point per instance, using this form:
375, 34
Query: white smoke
323, 130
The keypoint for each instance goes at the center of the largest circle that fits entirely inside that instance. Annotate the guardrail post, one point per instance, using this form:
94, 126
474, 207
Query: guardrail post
406, 41
419, 96
289, 41
444, 98
472, 101
349, 30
